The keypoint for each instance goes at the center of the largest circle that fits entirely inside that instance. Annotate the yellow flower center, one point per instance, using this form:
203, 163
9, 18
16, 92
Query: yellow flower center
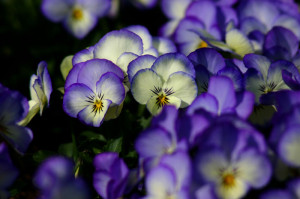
98, 106
228, 180
162, 100
77, 14
203, 44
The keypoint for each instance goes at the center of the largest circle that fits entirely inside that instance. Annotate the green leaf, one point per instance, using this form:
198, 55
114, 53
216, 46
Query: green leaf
115, 145
66, 149
93, 136
41, 155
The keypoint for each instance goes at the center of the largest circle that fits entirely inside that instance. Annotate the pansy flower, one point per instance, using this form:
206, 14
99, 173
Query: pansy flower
56, 180
170, 80
78, 16
40, 91
13, 108
264, 76
97, 87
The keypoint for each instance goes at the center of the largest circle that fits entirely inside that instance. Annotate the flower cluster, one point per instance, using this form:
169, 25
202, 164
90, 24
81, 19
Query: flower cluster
207, 109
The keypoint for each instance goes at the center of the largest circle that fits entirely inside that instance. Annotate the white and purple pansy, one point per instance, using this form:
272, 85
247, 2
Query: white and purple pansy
170, 80
95, 88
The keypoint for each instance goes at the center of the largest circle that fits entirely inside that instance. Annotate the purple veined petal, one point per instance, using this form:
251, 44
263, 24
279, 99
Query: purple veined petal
282, 37
161, 182
163, 45
209, 58
98, 8
83, 55
245, 104
276, 194
56, 10
257, 40
235, 75
291, 80
153, 142
275, 73
205, 192
167, 119
289, 23
204, 11
125, 59
175, 9
43, 73
52, 171
250, 24
94, 69
239, 63
204, 101
80, 27
155, 108
255, 83
73, 75
264, 11
202, 78
276, 53
284, 96
144, 84
110, 87
258, 62
76, 99
223, 90
13, 107
92, 117
254, 168
115, 43
180, 163
142, 62
225, 15
289, 146
8, 171
168, 28
143, 33
183, 87
208, 163
170, 63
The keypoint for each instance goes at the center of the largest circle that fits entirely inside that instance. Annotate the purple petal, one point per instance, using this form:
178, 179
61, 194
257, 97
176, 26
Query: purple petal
83, 55
94, 69
235, 75
98, 8
56, 10
225, 96
139, 63
111, 87
100, 183
43, 74
75, 98
291, 80
209, 58
8, 171
245, 101
205, 101
73, 75
250, 24
153, 143
258, 62
276, 194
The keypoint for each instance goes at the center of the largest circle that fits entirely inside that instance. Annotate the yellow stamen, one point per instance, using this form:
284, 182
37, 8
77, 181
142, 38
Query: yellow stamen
98, 106
228, 180
203, 44
162, 100
77, 14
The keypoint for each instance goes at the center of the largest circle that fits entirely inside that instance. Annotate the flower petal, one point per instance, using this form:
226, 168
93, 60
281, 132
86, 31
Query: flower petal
258, 62
111, 87
238, 42
124, 60
115, 43
155, 109
163, 45
55, 10
144, 34
66, 65
184, 87
143, 85
94, 69
175, 9
75, 99
73, 75
204, 101
138, 64
83, 55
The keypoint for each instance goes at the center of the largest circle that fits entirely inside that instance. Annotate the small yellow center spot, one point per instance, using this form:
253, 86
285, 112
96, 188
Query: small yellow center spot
98, 106
77, 14
228, 180
203, 44
162, 100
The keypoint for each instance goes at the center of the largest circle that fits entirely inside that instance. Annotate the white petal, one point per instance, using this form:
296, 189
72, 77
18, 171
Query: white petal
235, 192
238, 42
183, 86
124, 60
143, 83
154, 108
66, 65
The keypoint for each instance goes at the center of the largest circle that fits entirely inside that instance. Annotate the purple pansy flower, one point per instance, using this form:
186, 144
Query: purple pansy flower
92, 91
78, 16
8, 171
110, 176
13, 109
56, 180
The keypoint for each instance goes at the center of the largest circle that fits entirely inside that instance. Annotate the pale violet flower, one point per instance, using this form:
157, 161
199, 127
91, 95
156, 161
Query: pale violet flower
170, 80
78, 16
40, 91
